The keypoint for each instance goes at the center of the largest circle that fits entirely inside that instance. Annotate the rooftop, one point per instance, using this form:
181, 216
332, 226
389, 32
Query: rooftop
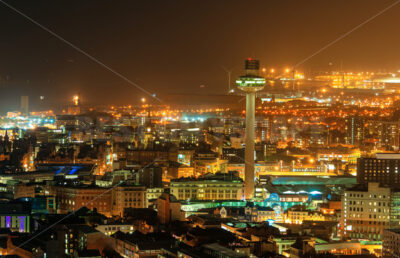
388, 155
223, 251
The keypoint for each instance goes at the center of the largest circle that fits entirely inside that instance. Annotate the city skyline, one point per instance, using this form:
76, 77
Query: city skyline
166, 129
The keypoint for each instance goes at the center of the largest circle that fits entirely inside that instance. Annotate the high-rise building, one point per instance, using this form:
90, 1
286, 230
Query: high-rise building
387, 133
384, 169
24, 105
151, 176
127, 196
367, 210
263, 129
355, 130
250, 83
168, 208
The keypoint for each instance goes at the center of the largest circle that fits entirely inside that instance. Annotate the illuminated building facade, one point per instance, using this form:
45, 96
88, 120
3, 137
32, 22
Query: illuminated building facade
259, 213
298, 216
127, 196
106, 201
367, 210
185, 171
153, 194
206, 163
109, 229
345, 155
172, 170
71, 198
209, 187
250, 83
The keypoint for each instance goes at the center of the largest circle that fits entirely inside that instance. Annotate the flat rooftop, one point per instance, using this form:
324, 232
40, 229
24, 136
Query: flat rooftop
388, 155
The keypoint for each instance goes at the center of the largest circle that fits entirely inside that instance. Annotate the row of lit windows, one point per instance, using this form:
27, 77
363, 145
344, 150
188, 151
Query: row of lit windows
68, 201
133, 194
208, 196
114, 228
370, 222
367, 230
370, 236
378, 216
369, 171
294, 199
378, 161
362, 196
355, 202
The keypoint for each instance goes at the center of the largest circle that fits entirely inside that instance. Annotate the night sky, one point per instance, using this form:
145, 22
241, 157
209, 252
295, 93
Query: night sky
175, 46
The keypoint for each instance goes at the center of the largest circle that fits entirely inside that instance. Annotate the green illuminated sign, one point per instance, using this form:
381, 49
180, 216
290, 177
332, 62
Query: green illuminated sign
250, 81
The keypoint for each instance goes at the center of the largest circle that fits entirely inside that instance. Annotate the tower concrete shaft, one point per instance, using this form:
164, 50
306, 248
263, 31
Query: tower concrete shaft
249, 150
250, 84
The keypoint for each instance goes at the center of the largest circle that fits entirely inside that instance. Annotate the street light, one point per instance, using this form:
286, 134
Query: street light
143, 100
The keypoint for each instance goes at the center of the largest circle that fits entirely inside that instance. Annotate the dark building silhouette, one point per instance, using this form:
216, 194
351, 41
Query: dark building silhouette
383, 169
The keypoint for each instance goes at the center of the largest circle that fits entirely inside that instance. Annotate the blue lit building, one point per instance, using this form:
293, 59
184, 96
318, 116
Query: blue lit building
16, 216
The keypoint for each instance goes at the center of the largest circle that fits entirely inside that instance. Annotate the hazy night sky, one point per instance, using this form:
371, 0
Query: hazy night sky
176, 46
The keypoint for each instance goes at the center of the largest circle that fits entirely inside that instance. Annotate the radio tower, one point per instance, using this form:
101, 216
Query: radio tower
250, 83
